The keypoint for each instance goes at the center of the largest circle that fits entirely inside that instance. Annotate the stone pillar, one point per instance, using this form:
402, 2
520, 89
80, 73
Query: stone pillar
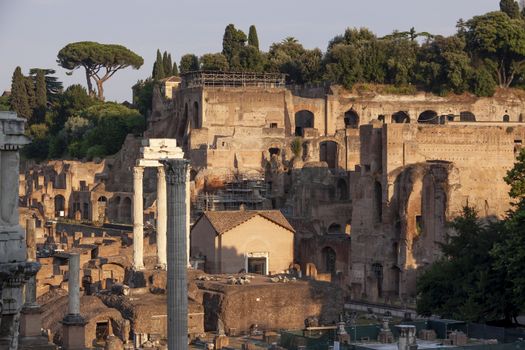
176, 178
162, 218
138, 219
73, 284
188, 206
73, 332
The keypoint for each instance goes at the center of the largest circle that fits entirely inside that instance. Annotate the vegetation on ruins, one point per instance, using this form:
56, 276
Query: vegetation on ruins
188, 63
100, 61
480, 277
69, 123
297, 147
163, 66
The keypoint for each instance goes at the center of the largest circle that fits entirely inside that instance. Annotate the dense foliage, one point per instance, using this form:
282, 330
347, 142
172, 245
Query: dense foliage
69, 123
480, 277
486, 52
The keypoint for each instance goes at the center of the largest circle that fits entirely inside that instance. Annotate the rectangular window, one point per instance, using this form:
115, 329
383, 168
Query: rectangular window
273, 125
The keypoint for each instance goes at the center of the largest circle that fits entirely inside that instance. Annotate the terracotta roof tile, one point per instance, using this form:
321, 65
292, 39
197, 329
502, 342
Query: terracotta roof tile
223, 221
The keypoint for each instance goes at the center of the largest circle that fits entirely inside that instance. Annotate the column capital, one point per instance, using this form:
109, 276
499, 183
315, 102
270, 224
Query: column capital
138, 171
161, 171
176, 171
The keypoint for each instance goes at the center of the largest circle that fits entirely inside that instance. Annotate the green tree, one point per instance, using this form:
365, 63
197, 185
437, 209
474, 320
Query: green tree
214, 61
500, 42
143, 96
232, 43
100, 61
188, 63
19, 99
4, 103
40, 96
166, 60
482, 82
253, 39
401, 58
54, 87
74, 99
158, 67
511, 8
251, 59
467, 284
444, 66
175, 70
291, 58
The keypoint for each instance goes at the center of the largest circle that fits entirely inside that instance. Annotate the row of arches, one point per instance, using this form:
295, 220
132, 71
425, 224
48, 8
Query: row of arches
305, 119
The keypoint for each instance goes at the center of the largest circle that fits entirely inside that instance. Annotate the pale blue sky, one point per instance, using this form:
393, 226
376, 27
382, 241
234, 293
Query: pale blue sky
33, 31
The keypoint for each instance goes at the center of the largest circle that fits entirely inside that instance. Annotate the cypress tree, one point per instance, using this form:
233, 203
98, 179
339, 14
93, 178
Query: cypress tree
40, 96
175, 70
19, 99
30, 89
166, 61
232, 43
158, 67
253, 39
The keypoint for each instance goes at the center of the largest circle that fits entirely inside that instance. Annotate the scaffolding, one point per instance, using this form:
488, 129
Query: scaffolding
251, 193
232, 79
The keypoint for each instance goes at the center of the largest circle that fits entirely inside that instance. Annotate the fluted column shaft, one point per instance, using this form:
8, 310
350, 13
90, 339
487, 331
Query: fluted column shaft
162, 218
176, 178
138, 218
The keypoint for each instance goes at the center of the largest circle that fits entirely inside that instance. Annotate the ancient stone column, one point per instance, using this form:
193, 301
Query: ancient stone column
73, 331
176, 178
74, 284
162, 218
138, 219
188, 206
30, 293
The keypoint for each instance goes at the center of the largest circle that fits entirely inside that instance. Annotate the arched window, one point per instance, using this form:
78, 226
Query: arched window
428, 117
328, 152
351, 119
329, 259
303, 119
400, 117
506, 118
60, 205
102, 199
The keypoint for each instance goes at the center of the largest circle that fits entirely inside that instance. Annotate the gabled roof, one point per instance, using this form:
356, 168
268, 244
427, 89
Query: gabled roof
223, 221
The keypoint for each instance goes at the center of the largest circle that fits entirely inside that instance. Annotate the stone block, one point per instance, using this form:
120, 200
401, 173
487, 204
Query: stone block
30, 323
385, 337
74, 336
270, 337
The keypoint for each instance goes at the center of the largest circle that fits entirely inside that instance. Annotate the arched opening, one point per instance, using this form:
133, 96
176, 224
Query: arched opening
342, 190
506, 118
400, 118
334, 229
378, 201
303, 119
328, 152
377, 270
428, 117
196, 121
115, 209
102, 200
126, 210
274, 151
351, 119
329, 259
60, 205
467, 117
348, 227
